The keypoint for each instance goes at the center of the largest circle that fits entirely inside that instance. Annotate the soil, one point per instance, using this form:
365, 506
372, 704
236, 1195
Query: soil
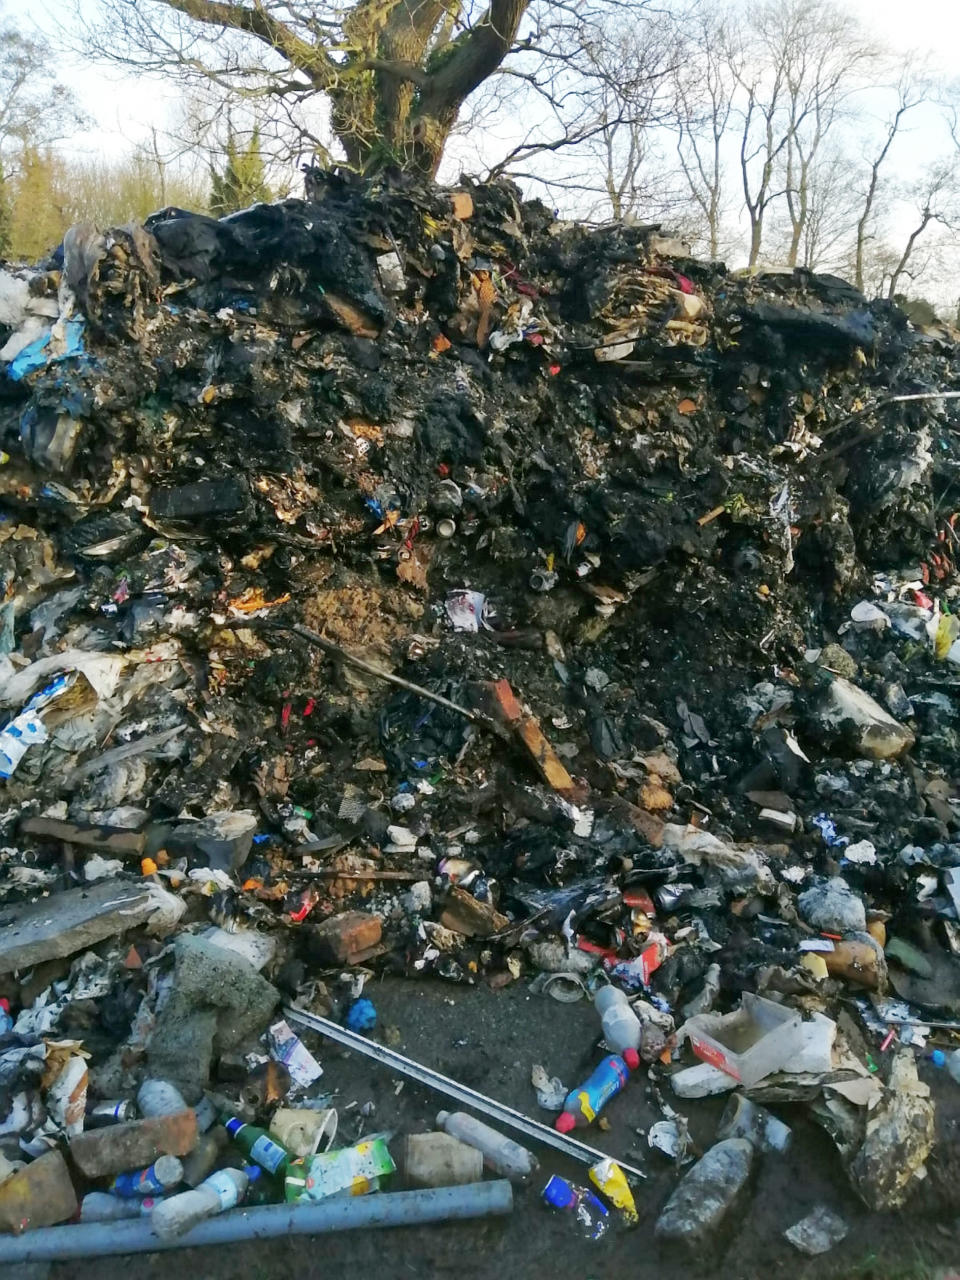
489, 1041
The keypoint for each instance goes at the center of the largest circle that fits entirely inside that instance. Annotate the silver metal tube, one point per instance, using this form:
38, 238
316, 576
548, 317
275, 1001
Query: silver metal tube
497, 1111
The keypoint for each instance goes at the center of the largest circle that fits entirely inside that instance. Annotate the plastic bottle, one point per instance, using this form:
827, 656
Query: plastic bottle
101, 1206
621, 1026
590, 1214
159, 1098
165, 1172
118, 1111
500, 1155
176, 1215
582, 1105
261, 1188
439, 1160
258, 1145
199, 1163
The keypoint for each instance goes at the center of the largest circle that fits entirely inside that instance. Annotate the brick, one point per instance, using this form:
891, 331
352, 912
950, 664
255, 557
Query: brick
347, 938
135, 1145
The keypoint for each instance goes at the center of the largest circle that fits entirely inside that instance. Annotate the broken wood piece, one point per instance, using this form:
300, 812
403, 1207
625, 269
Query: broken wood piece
463, 913
351, 316
116, 840
462, 202
711, 516
505, 708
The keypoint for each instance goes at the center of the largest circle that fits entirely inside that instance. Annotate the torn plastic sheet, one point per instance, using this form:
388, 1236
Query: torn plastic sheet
63, 342
20, 1063
27, 729
287, 1047
467, 610
90, 978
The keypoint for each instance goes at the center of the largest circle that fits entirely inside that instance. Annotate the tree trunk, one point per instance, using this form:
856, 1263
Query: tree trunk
756, 237
404, 117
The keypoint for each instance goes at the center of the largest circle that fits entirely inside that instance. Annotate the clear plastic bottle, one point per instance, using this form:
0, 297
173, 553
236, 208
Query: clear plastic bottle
101, 1206
622, 1028
160, 1098
178, 1214
500, 1155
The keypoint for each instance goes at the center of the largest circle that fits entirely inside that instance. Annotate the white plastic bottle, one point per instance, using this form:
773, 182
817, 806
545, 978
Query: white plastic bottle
621, 1026
500, 1155
953, 1065
160, 1098
101, 1206
178, 1214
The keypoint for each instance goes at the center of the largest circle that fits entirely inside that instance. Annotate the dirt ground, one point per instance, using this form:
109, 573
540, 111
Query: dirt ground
489, 1040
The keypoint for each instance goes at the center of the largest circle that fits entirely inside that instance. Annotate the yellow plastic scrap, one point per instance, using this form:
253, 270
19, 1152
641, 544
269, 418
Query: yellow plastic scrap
252, 600
948, 628
608, 1177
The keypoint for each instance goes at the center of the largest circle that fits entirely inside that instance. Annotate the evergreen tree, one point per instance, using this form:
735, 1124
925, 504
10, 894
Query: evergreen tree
242, 181
5, 219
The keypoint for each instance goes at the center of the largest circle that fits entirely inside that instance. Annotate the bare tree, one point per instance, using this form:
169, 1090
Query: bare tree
912, 90
706, 85
826, 57
832, 204
395, 74
934, 196
36, 109
607, 162
802, 61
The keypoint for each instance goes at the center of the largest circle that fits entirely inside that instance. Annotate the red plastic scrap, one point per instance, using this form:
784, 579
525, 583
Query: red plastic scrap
594, 949
307, 902
640, 900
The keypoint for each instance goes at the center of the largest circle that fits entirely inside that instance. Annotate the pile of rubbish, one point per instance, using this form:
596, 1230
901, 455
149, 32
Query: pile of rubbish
403, 581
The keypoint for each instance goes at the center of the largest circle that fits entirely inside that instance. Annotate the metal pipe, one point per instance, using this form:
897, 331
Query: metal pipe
264, 1222
497, 1111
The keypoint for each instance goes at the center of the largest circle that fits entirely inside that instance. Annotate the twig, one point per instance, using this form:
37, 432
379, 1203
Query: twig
321, 642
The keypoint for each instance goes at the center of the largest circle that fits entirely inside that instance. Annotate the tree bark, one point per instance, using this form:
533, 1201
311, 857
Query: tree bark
388, 106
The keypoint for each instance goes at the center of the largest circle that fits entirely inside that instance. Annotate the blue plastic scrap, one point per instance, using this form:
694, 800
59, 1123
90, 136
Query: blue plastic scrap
27, 729
361, 1016
828, 829
39, 354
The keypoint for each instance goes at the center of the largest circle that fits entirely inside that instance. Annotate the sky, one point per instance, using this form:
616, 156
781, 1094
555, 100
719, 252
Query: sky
123, 107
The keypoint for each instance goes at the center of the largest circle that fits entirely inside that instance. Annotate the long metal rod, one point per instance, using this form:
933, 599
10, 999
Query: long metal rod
497, 1111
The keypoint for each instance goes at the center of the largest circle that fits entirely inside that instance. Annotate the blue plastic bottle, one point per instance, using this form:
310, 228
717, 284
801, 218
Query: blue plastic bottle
583, 1105
164, 1173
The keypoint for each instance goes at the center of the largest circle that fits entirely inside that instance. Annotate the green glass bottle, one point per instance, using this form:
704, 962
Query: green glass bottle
258, 1145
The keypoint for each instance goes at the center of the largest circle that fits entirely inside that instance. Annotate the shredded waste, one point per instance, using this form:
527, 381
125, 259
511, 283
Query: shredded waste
404, 581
